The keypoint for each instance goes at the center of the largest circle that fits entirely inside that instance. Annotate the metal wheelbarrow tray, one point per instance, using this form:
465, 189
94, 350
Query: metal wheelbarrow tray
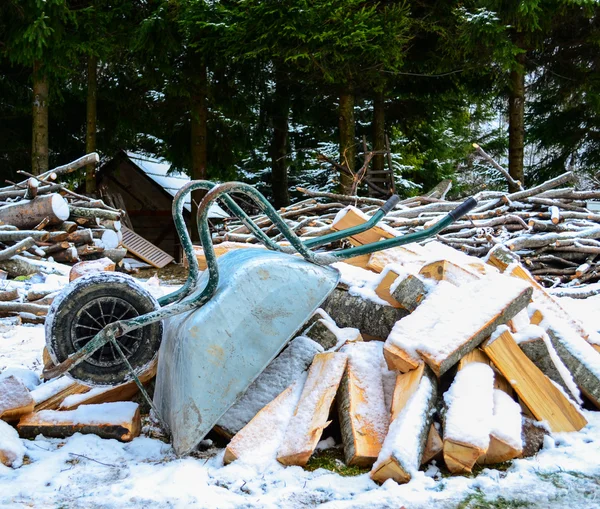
221, 328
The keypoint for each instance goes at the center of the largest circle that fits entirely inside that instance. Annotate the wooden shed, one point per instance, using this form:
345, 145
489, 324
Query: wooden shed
145, 189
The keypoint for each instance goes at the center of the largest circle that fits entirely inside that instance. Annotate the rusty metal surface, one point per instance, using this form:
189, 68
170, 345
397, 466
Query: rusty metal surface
209, 356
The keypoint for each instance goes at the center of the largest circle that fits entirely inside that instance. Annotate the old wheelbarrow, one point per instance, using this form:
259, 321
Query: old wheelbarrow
219, 330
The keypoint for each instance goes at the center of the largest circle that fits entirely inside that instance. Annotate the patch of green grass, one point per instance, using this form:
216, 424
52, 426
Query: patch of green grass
333, 460
477, 500
23, 278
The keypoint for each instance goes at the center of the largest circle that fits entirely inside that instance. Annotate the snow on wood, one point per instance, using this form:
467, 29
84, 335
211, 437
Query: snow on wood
310, 417
545, 401
580, 358
285, 369
352, 216
220, 250
119, 420
91, 267
363, 416
260, 439
452, 321
327, 334
412, 255
402, 451
445, 270
26, 214
468, 418
12, 449
15, 399
401, 289
49, 395
506, 442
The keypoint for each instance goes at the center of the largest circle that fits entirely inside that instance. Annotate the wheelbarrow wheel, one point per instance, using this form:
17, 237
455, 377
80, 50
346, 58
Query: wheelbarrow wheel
84, 308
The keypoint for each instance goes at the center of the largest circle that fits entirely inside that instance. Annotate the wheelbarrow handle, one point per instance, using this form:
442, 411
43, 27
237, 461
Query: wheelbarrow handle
390, 203
463, 209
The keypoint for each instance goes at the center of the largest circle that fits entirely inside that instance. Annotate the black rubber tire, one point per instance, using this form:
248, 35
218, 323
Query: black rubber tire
86, 294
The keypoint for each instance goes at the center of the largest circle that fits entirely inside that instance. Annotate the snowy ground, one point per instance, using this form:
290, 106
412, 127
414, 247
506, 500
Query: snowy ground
86, 471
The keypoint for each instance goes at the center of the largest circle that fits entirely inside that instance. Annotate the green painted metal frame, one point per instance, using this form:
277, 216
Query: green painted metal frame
181, 301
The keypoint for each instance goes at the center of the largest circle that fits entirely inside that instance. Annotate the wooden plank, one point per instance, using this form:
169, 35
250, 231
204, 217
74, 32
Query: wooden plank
364, 419
109, 420
97, 395
460, 330
145, 250
310, 417
15, 399
544, 400
402, 451
50, 395
445, 270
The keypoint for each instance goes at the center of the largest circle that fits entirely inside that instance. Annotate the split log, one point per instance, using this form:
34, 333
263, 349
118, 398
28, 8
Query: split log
580, 358
265, 432
434, 445
120, 421
354, 217
310, 417
468, 418
402, 451
283, 371
91, 267
12, 450
364, 419
93, 213
220, 250
369, 318
445, 270
413, 254
15, 399
540, 395
408, 290
443, 342
28, 213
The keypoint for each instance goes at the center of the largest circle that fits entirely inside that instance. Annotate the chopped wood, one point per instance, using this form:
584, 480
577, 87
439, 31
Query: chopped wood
434, 445
120, 421
542, 397
445, 270
19, 247
9, 295
449, 339
220, 250
15, 399
414, 254
90, 213
68, 255
354, 217
266, 429
91, 267
364, 419
408, 292
310, 417
402, 451
50, 395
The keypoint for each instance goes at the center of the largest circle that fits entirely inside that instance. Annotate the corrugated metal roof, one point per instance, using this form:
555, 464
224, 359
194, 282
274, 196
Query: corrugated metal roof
158, 171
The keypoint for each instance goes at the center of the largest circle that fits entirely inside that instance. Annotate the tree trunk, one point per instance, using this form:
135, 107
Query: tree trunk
278, 149
347, 137
90, 139
39, 145
378, 135
199, 117
516, 115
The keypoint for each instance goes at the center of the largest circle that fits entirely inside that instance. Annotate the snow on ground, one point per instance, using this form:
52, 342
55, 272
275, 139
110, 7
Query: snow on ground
85, 471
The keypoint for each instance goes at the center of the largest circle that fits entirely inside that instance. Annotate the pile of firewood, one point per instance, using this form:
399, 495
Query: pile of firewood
550, 226
422, 353
42, 220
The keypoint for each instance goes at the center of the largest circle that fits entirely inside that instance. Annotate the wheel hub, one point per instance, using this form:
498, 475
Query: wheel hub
93, 317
